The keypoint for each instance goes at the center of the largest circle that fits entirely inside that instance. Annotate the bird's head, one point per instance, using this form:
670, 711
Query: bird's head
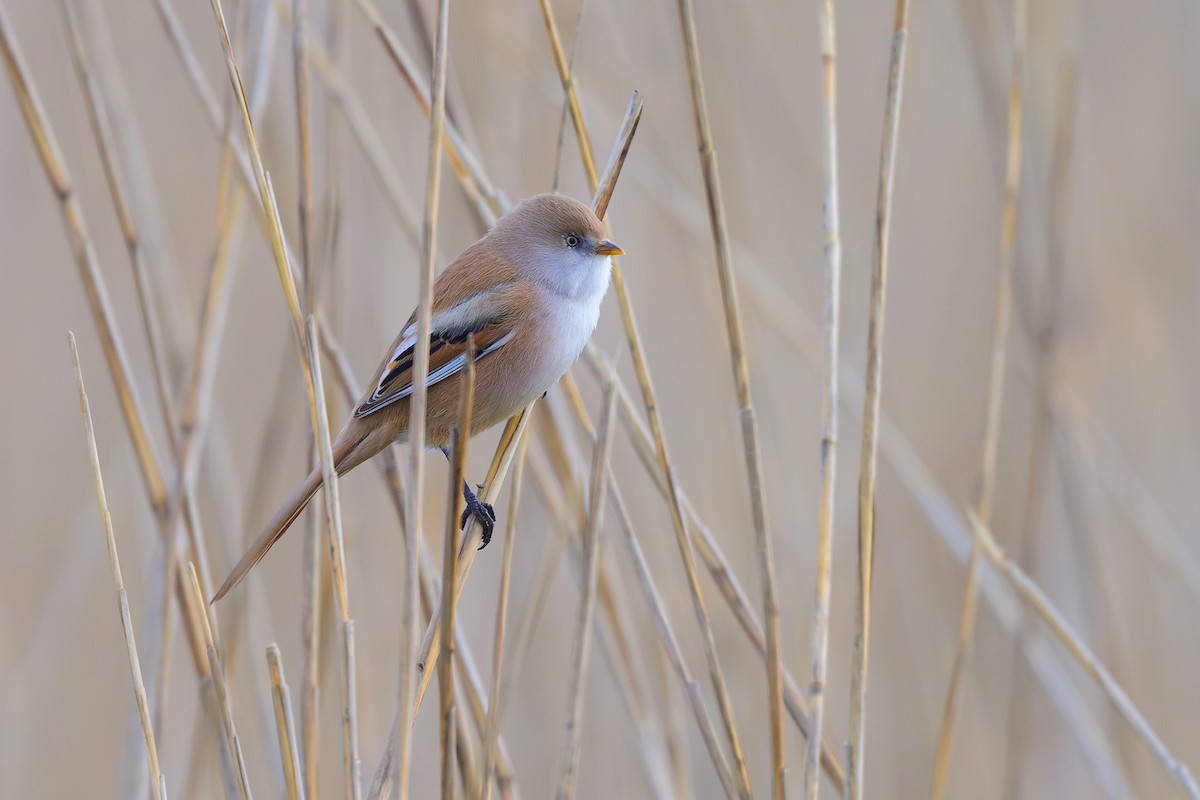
558, 242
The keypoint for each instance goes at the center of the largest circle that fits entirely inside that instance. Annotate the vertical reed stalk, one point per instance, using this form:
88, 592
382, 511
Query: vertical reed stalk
855, 757
829, 415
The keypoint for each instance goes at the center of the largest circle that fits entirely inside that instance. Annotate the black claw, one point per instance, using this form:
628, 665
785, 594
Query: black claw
482, 512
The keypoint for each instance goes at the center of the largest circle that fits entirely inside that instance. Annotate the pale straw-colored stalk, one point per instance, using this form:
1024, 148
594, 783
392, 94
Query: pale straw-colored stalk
752, 447
829, 414
285, 725
995, 401
157, 783
855, 757
572, 747
417, 406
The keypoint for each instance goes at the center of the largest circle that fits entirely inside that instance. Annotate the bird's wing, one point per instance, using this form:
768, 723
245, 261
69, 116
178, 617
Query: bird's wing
489, 315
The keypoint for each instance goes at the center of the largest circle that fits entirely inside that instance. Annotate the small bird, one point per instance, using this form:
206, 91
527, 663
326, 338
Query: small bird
529, 295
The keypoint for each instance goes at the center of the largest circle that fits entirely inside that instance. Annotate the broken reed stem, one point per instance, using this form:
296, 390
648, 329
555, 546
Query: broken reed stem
587, 607
232, 743
492, 726
995, 399
616, 158
869, 456
829, 416
741, 375
337, 560
285, 726
1032, 594
114, 562
458, 443
417, 403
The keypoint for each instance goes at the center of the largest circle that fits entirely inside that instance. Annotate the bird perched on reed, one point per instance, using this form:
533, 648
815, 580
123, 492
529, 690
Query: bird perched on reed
528, 293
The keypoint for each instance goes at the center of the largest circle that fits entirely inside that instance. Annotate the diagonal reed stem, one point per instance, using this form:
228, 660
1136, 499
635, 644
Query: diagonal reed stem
135, 668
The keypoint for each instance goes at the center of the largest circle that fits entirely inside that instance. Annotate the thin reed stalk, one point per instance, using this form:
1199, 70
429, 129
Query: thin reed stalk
995, 400
741, 374
337, 560
285, 725
232, 743
641, 369
495, 698
458, 459
587, 608
829, 413
157, 784
98, 117
418, 400
855, 756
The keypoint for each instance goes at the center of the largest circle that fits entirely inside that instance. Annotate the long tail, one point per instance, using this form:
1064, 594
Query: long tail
347, 455
278, 525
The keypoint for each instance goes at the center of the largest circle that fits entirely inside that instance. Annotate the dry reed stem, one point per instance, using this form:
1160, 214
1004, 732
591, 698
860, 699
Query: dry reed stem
386, 461
724, 577
352, 110
1045, 334
616, 158
417, 404
870, 417
285, 726
942, 514
114, 562
995, 399
643, 375
270, 211
337, 560
829, 413
613, 625
495, 704
468, 547
232, 743
305, 213
572, 98
669, 643
98, 117
50, 155
485, 199
458, 459
1032, 594
311, 581
741, 376
572, 746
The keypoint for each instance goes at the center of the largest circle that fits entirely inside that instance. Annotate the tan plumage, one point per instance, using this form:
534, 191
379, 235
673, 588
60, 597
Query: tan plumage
529, 293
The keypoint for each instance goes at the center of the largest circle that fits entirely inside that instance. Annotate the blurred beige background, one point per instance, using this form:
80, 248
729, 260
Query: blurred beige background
1109, 500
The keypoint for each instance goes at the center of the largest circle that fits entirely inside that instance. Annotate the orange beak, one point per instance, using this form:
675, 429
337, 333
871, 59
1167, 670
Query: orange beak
607, 248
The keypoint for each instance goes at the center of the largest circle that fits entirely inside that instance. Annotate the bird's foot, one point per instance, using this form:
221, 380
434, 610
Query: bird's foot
482, 512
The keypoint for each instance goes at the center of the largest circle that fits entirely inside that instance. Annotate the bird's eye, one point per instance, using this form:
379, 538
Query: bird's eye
572, 240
